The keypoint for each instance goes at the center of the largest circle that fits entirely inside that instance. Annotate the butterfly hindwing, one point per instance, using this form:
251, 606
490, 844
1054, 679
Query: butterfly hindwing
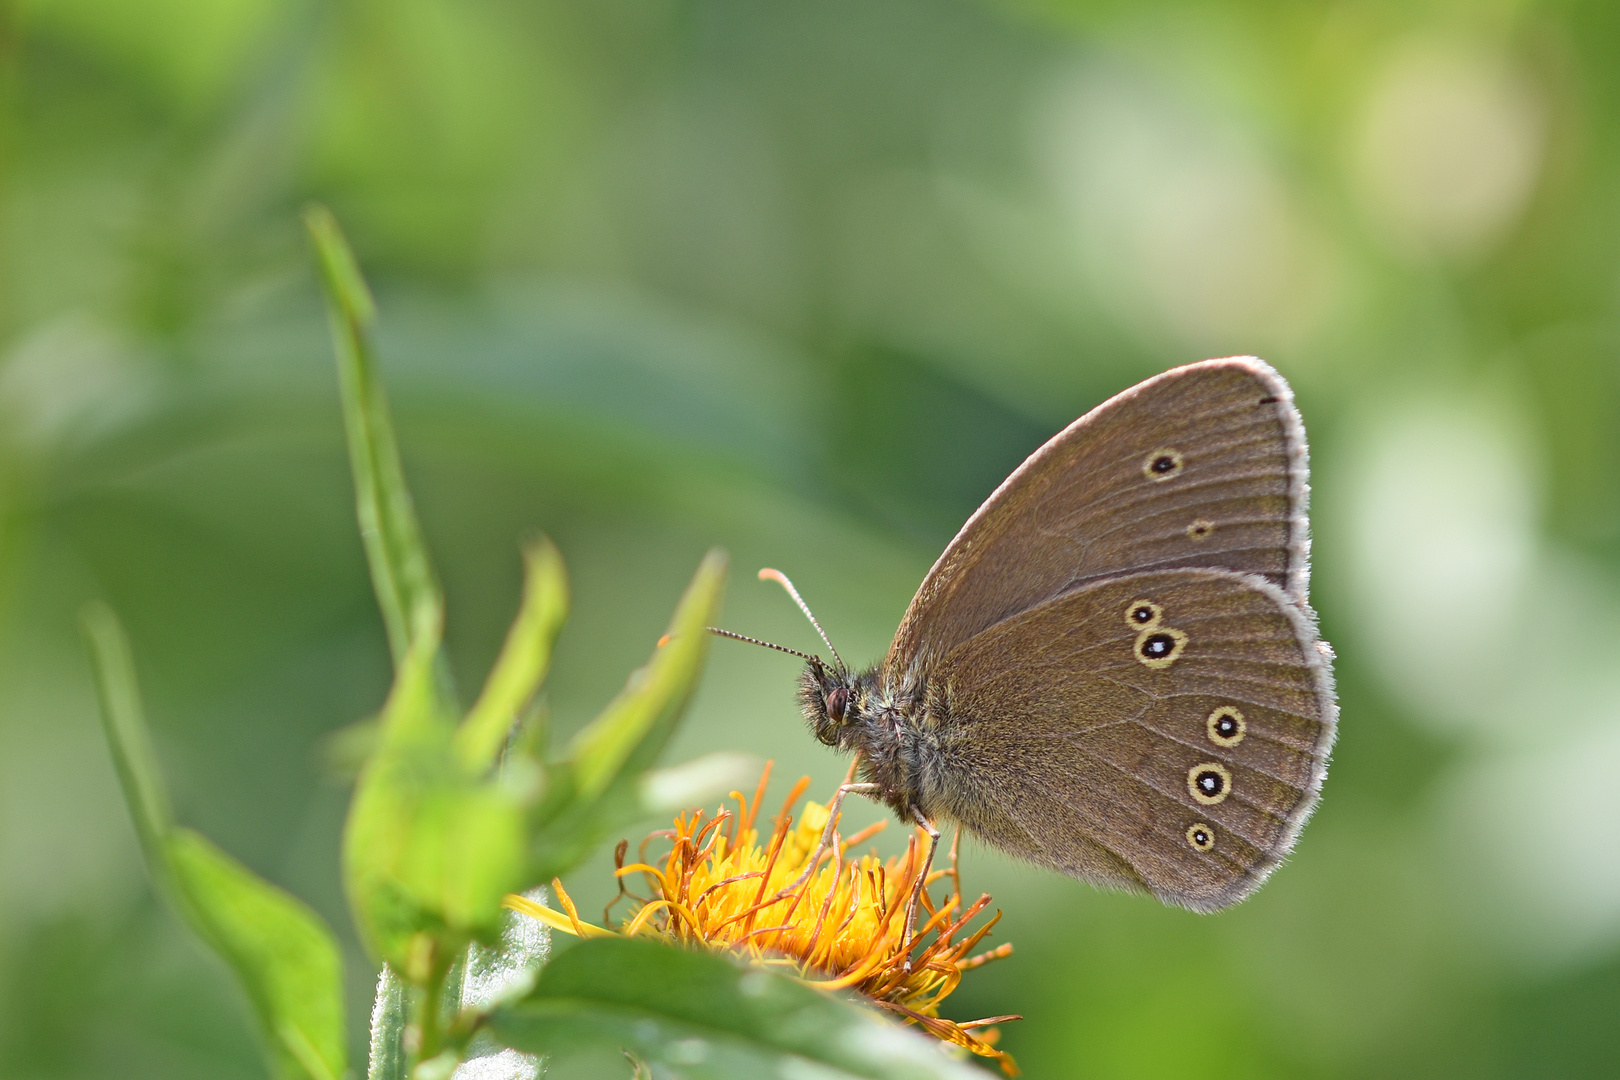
1165, 731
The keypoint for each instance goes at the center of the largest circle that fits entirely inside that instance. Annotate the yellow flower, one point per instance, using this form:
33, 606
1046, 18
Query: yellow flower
841, 926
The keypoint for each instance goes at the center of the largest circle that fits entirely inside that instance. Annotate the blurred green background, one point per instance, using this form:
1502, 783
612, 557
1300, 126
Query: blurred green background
806, 279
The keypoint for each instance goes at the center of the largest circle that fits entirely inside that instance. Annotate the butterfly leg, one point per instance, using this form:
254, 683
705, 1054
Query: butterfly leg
922, 878
833, 809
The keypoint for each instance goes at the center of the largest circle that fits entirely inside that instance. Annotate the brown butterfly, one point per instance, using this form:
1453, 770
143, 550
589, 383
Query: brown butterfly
1113, 669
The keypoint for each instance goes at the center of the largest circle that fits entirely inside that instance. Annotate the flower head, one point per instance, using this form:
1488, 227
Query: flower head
833, 919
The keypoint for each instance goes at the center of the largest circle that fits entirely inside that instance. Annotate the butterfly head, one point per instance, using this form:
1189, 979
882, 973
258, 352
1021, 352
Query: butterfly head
831, 698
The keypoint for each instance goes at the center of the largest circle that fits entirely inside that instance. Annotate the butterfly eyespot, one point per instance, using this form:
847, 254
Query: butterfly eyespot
1209, 783
1226, 726
838, 703
1200, 836
1140, 613
1159, 647
1162, 464
1200, 529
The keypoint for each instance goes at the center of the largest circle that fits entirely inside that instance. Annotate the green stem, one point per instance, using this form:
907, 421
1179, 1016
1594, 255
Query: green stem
434, 1038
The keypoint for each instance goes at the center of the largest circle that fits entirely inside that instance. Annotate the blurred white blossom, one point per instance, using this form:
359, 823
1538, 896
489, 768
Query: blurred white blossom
1486, 631
1448, 147
1183, 221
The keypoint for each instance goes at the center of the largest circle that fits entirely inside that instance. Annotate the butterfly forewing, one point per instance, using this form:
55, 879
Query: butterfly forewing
1201, 466
1178, 754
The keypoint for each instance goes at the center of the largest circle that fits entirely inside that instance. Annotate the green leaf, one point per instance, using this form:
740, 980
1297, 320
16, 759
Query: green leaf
286, 958
411, 756
466, 851
388, 1019
629, 734
700, 1015
401, 573
524, 659
344, 752
127, 735
573, 828
426, 846
496, 974
568, 837
578, 827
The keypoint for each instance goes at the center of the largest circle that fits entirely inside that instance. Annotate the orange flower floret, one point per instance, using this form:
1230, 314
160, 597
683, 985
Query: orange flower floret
839, 925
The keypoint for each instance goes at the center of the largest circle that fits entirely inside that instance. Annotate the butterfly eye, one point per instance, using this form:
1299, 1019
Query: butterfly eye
1162, 464
838, 702
1226, 726
1209, 783
1143, 613
1159, 646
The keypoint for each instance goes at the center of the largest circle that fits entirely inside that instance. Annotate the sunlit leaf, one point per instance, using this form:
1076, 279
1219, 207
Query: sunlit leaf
411, 757
426, 845
702, 1016
401, 573
465, 851
573, 832
632, 730
286, 959
524, 659
388, 1019
496, 974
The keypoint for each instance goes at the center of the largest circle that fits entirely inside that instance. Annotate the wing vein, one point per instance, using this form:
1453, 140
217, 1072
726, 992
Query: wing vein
1263, 848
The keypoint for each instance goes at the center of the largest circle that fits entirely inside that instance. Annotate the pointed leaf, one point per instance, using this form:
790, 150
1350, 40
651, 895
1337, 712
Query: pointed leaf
412, 752
568, 837
494, 975
401, 573
427, 846
466, 852
388, 1019
285, 957
127, 735
634, 727
524, 659
699, 1015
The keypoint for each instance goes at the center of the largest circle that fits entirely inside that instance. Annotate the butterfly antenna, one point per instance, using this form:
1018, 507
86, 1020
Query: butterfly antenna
781, 579
816, 660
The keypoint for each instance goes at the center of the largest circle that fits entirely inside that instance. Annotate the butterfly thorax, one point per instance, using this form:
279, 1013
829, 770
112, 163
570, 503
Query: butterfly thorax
885, 725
